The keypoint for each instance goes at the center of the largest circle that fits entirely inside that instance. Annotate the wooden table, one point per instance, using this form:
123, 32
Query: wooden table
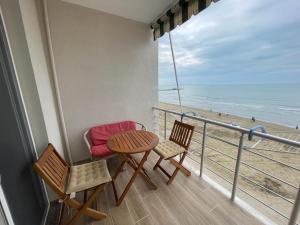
126, 144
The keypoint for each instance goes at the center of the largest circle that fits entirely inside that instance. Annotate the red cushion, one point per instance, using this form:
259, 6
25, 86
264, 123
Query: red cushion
100, 151
100, 134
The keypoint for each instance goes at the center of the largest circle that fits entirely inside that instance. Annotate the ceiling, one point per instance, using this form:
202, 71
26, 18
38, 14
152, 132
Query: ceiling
139, 10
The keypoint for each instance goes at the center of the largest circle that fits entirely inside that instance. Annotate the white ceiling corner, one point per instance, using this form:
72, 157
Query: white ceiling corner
139, 10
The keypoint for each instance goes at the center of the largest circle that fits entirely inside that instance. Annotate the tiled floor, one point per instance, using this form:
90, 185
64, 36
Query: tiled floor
188, 200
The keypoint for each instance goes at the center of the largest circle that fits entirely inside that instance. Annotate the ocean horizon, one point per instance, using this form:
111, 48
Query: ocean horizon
275, 103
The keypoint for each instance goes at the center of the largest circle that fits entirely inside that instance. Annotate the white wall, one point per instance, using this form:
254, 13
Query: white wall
16, 36
10, 11
107, 69
32, 16
35, 35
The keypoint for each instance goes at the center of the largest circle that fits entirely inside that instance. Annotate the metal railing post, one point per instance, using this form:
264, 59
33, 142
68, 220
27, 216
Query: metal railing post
237, 167
203, 147
165, 125
295, 211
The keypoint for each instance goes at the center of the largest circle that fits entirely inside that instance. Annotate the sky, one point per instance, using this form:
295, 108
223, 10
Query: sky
234, 42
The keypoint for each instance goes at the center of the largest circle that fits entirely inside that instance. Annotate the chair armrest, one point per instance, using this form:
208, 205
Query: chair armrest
142, 126
87, 142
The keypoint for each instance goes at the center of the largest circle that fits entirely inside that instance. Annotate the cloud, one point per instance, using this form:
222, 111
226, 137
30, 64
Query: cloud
183, 57
236, 41
187, 59
265, 47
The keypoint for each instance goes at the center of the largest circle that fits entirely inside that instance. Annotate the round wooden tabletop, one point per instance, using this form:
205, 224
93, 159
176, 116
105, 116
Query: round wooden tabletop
134, 141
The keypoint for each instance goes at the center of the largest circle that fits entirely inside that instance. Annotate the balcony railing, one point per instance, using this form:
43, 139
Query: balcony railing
200, 142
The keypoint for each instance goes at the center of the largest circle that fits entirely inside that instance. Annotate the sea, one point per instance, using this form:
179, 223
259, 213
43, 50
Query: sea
275, 103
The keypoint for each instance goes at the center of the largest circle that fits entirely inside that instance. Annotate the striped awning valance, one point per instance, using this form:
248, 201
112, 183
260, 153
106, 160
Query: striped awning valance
178, 14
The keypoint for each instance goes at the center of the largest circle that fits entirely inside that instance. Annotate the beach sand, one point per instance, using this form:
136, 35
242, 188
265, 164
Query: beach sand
251, 180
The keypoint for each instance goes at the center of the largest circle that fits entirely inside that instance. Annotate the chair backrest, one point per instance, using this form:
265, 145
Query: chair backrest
100, 134
53, 169
182, 134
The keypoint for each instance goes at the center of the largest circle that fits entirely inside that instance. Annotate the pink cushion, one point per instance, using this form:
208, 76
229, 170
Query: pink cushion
100, 151
100, 134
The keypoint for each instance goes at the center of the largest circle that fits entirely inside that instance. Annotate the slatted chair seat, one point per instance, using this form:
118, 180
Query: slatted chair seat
65, 180
178, 144
168, 149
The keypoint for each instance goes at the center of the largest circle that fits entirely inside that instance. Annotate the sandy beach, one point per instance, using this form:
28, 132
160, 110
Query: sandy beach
220, 156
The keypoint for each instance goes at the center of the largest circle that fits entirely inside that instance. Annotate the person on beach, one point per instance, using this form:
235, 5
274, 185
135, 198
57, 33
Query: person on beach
253, 119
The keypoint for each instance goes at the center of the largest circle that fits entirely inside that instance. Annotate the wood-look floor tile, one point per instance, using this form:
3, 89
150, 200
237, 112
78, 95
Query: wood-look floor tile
103, 206
120, 214
227, 216
159, 212
148, 220
169, 200
187, 200
133, 199
195, 208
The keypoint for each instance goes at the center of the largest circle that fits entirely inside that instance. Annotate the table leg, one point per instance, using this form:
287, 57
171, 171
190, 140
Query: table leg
115, 176
137, 171
133, 163
120, 168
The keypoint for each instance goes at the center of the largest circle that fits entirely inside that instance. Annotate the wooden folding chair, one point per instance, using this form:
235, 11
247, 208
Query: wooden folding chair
65, 180
178, 144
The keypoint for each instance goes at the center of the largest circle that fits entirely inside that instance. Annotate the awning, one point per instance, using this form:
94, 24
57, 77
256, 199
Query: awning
177, 15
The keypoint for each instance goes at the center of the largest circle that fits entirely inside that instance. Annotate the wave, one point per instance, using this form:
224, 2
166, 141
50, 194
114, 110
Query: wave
238, 104
290, 109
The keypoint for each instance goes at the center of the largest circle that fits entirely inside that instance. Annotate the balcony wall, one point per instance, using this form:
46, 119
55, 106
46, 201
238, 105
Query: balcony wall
106, 68
32, 16
11, 14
